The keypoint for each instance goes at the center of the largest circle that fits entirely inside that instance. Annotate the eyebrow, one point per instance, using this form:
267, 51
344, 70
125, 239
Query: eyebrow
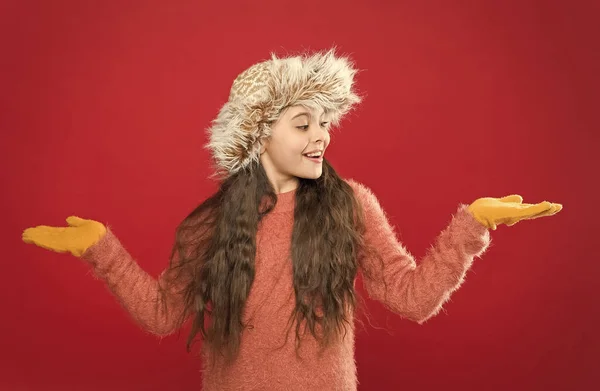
301, 114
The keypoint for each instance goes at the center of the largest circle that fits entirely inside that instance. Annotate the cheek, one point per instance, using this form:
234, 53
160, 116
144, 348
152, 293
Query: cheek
289, 150
295, 146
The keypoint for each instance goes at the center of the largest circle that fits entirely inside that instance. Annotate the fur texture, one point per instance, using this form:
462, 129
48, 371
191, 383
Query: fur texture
260, 93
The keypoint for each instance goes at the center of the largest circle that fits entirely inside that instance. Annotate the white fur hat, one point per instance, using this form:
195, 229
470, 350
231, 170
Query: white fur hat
260, 93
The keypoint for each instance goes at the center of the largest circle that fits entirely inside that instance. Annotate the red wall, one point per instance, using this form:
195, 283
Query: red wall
104, 106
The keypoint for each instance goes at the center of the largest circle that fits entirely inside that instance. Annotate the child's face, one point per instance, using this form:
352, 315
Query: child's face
298, 130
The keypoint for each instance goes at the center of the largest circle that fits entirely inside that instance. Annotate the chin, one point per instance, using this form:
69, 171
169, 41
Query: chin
312, 176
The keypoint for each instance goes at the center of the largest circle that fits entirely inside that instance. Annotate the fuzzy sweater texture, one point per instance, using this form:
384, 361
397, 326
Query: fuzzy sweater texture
267, 361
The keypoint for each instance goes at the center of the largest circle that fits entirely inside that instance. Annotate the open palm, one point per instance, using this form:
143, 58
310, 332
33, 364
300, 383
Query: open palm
76, 238
509, 210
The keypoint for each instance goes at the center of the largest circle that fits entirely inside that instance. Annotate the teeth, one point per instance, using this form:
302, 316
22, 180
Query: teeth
316, 154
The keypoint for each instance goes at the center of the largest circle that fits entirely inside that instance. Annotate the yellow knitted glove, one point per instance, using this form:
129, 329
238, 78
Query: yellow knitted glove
78, 237
509, 210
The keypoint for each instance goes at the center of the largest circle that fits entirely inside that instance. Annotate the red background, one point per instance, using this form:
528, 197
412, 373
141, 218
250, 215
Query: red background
104, 106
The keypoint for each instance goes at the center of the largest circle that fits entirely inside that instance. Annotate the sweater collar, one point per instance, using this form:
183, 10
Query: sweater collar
285, 201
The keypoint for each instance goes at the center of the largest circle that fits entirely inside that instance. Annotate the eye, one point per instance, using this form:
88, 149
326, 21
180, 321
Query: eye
323, 124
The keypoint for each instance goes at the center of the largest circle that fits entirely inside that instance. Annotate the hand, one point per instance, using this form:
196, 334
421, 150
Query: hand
80, 235
509, 210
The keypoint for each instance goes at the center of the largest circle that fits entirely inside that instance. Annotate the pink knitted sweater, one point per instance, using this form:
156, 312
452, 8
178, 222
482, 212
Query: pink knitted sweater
414, 291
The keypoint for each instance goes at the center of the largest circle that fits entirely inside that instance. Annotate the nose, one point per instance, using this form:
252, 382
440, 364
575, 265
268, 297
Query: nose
320, 134
319, 140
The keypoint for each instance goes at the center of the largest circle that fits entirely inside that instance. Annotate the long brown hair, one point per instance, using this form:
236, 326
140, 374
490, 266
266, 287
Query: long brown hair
216, 247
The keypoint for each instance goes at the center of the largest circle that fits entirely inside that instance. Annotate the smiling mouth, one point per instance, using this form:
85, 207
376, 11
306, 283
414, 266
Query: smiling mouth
315, 159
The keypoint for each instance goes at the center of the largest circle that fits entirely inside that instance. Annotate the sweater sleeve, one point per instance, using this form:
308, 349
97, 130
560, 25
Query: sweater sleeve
390, 273
137, 291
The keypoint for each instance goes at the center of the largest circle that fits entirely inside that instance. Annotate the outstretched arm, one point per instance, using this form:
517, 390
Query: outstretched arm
136, 290
391, 274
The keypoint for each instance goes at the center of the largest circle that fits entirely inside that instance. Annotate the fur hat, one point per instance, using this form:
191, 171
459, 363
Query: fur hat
259, 95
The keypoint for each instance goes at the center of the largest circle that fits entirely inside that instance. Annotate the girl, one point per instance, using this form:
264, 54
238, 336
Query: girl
265, 268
